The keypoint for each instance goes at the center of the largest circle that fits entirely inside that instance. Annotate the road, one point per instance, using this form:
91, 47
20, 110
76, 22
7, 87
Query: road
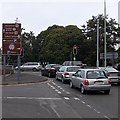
53, 99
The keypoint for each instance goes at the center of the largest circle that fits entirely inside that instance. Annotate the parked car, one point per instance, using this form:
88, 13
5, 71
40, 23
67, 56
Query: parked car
50, 70
112, 73
72, 63
90, 80
65, 73
34, 66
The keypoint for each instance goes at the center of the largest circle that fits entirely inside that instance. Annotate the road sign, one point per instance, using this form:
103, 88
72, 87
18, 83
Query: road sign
109, 55
11, 39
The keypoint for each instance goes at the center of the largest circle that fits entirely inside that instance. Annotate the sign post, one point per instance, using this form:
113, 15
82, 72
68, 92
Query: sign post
11, 40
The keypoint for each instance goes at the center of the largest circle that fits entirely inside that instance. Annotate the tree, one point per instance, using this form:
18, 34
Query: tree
90, 32
58, 41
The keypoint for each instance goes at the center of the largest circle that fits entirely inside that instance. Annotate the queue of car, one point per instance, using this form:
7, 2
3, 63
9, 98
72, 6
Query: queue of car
95, 79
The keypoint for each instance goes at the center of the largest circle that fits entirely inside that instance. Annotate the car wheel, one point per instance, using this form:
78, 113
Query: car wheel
107, 91
56, 77
42, 74
83, 90
63, 81
34, 69
71, 84
118, 83
49, 75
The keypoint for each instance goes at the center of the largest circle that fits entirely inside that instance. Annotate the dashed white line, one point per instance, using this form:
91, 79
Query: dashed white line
67, 92
76, 98
96, 111
59, 92
83, 102
66, 98
89, 106
107, 117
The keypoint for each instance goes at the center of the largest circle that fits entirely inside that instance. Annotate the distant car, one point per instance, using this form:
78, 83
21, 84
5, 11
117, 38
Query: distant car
65, 73
90, 80
72, 63
34, 66
112, 73
50, 70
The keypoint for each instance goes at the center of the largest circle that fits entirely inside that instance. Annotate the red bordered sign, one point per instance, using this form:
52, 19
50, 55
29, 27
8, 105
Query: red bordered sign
11, 38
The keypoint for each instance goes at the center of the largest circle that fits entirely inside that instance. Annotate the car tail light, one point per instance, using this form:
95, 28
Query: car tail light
86, 82
109, 82
66, 73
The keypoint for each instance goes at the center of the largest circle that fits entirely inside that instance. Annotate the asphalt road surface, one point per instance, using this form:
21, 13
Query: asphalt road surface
53, 99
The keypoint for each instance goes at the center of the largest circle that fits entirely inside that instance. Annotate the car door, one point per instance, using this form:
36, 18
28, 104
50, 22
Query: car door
78, 79
25, 66
60, 72
46, 70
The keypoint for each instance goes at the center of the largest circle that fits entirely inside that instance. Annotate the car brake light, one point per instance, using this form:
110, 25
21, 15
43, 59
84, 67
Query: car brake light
108, 81
66, 73
86, 82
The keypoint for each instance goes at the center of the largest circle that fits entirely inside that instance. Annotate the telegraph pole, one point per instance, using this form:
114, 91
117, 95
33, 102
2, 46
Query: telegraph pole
105, 33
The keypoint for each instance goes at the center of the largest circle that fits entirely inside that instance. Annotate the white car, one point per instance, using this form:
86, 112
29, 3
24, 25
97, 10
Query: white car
91, 80
65, 73
34, 66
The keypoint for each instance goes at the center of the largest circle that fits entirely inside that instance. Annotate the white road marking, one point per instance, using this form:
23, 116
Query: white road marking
67, 92
66, 98
83, 102
107, 117
89, 106
96, 111
59, 92
76, 98
33, 98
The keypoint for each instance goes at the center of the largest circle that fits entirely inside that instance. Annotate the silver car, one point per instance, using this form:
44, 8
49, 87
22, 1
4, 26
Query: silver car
34, 66
91, 80
112, 73
65, 73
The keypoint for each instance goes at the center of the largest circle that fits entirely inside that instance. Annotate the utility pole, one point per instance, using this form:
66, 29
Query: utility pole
97, 62
105, 33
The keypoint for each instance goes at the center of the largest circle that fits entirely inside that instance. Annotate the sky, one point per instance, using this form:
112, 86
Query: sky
38, 15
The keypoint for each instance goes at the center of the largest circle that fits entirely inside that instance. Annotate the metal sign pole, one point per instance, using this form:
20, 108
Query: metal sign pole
4, 63
18, 74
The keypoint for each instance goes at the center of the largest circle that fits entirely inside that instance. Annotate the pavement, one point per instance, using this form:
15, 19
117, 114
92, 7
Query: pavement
23, 78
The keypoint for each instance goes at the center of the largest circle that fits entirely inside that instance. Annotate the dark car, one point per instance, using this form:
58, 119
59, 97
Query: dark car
50, 70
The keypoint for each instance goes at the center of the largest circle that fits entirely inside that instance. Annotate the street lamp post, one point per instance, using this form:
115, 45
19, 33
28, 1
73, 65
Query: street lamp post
105, 33
97, 63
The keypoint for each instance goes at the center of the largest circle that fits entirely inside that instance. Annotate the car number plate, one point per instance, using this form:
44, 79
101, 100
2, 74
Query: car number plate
98, 83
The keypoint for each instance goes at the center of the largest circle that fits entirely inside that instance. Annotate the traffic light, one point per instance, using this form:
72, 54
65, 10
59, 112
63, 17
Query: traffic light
75, 50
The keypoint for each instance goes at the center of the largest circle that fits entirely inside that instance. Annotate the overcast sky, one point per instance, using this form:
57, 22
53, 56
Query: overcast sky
38, 15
